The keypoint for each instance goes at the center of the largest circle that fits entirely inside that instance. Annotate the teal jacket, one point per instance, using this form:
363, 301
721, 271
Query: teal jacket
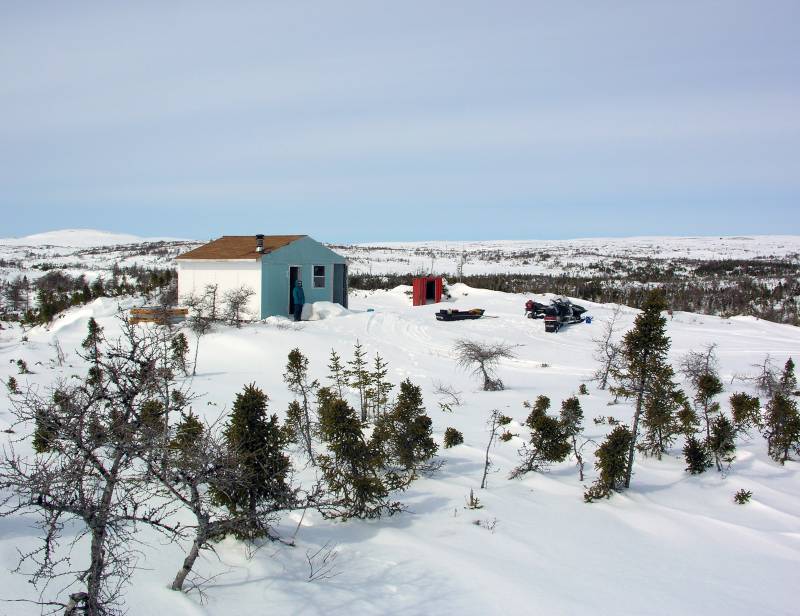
298, 296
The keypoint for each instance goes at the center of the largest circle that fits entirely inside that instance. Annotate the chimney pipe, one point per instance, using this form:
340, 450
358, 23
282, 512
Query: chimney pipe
260, 243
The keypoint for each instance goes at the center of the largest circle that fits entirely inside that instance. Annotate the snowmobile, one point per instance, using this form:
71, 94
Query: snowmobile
561, 312
535, 310
459, 315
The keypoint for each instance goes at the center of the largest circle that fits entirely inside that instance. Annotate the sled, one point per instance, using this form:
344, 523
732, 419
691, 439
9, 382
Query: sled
459, 315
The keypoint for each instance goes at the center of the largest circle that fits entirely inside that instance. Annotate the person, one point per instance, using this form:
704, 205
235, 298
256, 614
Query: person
299, 298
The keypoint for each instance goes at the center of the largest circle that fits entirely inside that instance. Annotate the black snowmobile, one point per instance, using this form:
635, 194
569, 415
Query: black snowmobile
562, 312
535, 310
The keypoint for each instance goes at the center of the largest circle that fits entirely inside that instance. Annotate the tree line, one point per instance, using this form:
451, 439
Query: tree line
39, 301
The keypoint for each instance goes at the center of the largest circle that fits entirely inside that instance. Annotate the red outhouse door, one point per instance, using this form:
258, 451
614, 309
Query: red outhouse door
438, 290
418, 291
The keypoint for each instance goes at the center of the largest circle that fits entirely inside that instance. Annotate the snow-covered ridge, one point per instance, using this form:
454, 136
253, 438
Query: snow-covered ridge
78, 238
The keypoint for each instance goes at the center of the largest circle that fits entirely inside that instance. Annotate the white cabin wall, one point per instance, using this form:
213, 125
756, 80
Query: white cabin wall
193, 276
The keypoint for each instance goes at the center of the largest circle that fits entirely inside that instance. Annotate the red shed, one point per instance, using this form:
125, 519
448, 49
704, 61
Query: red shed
427, 290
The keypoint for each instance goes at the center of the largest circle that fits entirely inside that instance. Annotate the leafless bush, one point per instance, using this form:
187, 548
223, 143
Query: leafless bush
449, 396
322, 563
235, 304
91, 438
482, 359
607, 348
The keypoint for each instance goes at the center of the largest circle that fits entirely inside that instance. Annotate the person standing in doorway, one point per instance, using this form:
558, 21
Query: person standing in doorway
299, 298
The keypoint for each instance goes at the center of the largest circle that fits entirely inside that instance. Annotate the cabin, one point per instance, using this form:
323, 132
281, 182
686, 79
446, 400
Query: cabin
269, 265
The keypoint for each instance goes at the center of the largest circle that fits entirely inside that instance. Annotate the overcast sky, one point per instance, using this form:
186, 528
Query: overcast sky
360, 121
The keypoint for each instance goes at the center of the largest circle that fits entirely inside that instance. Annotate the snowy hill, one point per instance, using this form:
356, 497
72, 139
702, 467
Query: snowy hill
76, 238
672, 544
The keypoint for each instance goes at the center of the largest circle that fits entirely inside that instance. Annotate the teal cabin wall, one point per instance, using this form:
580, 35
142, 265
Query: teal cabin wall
305, 253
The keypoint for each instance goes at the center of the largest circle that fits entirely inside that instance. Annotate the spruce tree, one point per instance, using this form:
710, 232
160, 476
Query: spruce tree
612, 461
256, 441
708, 386
452, 437
782, 427
379, 387
696, 455
688, 421
353, 469
179, 350
788, 380
338, 374
746, 411
722, 444
572, 422
91, 344
358, 377
662, 403
299, 416
187, 433
538, 408
643, 364
405, 432
549, 440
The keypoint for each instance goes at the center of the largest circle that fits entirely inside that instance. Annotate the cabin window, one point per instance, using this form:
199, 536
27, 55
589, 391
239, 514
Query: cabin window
319, 276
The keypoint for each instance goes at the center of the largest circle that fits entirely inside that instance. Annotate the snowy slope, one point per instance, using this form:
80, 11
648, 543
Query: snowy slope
77, 238
672, 544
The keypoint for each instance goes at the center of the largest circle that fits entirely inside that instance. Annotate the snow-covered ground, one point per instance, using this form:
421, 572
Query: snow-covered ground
672, 544
93, 252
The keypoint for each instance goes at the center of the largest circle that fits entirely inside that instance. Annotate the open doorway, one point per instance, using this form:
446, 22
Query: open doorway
295, 274
430, 291
340, 284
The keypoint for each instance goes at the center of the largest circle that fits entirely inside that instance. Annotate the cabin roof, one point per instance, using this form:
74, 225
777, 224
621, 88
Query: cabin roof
239, 247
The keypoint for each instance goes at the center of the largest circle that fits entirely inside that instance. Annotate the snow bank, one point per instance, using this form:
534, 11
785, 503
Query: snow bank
323, 310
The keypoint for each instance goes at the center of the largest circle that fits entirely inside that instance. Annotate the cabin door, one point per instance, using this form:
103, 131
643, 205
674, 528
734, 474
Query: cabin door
295, 274
340, 284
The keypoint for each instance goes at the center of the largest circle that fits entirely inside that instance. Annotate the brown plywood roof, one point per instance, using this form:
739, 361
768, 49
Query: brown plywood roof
239, 247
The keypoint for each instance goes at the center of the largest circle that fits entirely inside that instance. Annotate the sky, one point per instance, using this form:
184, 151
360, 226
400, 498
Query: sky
366, 121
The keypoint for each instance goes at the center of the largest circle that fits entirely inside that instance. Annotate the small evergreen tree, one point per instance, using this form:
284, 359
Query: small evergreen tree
549, 441
179, 351
612, 462
379, 387
642, 365
405, 432
452, 437
660, 418
688, 421
338, 374
788, 381
187, 433
572, 422
722, 443
708, 386
353, 469
538, 408
256, 441
696, 455
358, 377
299, 416
782, 427
746, 411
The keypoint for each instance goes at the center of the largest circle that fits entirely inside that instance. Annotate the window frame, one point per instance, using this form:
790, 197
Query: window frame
315, 277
